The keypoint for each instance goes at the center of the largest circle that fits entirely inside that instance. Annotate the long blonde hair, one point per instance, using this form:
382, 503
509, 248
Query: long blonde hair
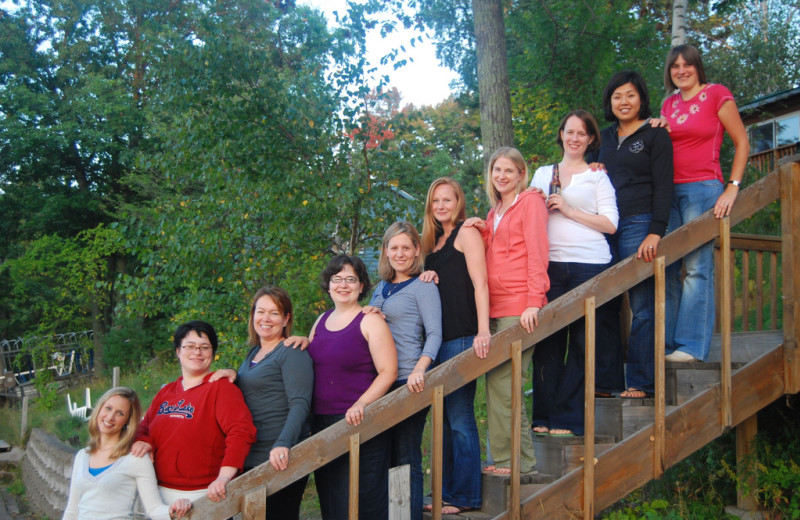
515, 157
128, 431
432, 227
385, 269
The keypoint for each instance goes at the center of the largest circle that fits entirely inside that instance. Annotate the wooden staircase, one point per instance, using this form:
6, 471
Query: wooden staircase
627, 443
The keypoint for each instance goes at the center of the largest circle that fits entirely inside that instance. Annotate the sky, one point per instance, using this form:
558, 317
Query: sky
421, 82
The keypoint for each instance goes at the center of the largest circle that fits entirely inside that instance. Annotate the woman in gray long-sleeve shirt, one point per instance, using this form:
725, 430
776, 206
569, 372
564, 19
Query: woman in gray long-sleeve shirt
414, 314
277, 384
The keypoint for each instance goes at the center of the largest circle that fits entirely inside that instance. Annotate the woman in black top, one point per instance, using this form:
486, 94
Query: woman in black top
638, 159
457, 256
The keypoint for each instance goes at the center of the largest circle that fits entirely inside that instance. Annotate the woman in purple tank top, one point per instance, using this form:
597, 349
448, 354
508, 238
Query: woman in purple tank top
355, 363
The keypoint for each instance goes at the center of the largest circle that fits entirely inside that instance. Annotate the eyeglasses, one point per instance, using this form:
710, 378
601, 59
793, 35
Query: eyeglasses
346, 279
203, 349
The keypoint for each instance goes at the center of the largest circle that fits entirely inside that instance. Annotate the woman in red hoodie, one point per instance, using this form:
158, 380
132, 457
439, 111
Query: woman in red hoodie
515, 233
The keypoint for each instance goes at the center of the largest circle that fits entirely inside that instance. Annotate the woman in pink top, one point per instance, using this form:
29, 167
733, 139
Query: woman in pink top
515, 233
699, 113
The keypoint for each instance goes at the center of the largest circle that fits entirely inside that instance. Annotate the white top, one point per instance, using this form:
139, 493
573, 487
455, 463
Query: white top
570, 241
111, 494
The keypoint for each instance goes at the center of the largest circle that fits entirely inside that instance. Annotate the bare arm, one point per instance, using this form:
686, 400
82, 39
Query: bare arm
384, 357
730, 119
469, 242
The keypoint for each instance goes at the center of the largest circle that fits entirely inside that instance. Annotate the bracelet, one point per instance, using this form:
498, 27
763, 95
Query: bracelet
738, 184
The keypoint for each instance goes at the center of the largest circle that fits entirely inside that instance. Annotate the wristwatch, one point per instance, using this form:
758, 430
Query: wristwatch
738, 184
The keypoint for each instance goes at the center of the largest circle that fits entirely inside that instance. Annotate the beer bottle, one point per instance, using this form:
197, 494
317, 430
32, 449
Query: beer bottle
555, 182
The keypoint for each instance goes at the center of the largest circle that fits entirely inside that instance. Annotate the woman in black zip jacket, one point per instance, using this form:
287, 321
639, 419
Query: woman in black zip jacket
638, 160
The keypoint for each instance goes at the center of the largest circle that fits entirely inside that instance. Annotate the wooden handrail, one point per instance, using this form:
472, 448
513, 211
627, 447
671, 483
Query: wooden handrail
400, 404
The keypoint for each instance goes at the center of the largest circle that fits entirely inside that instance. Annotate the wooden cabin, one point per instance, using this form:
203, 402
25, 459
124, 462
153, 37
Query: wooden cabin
773, 125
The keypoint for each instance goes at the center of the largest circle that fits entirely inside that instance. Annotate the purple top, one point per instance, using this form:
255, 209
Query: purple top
343, 368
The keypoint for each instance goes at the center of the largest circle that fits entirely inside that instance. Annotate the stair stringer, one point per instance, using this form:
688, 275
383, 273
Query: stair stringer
630, 464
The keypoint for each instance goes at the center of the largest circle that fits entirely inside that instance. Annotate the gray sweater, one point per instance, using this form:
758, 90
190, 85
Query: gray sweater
414, 315
278, 392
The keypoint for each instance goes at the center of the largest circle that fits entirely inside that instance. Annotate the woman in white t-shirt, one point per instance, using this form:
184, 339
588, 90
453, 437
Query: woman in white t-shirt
581, 212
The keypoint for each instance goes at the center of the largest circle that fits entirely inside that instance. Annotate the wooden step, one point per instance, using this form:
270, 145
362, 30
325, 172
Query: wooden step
557, 456
619, 418
495, 492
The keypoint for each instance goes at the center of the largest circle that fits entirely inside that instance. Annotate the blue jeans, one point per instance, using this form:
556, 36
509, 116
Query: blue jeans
333, 479
564, 407
461, 457
640, 368
406, 449
690, 305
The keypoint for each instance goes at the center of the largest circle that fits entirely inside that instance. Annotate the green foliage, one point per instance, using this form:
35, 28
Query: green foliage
57, 281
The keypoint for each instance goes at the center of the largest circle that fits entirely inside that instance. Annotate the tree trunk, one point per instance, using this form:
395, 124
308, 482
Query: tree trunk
678, 22
493, 89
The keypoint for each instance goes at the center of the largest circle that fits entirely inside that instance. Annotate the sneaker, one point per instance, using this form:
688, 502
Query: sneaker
680, 357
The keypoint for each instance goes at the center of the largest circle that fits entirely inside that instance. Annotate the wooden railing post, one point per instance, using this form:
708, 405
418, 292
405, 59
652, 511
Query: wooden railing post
437, 418
725, 329
588, 459
355, 451
790, 235
254, 504
516, 428
746, 462
659, 429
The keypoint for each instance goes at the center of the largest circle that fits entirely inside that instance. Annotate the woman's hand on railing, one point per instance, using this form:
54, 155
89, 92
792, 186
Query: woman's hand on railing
216, 490
724, 204
529, 319
648, 249
180, 508
416, 382
355, 414
279, 458
481, 343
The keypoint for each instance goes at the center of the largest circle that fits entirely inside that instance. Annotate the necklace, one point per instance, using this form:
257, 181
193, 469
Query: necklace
391, 287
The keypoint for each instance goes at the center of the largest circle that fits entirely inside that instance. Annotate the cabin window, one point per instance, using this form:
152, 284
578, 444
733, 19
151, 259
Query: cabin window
778, 132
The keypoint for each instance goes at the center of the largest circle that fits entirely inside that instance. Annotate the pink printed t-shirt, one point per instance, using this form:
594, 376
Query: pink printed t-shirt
696, 132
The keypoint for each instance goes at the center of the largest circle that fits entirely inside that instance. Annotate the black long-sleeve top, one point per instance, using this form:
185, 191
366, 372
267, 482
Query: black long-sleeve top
640, 168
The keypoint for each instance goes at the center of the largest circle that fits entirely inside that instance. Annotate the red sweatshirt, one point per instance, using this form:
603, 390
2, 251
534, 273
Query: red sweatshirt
516, 257
197, 431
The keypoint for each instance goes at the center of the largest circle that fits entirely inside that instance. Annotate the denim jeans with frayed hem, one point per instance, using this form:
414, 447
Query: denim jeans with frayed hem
690, 303
461, 448
640, 366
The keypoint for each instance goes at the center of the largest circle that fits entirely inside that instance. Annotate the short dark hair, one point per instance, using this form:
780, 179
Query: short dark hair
692, 57
337, 263
281, 300
616, 81
200, 327
591, 128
